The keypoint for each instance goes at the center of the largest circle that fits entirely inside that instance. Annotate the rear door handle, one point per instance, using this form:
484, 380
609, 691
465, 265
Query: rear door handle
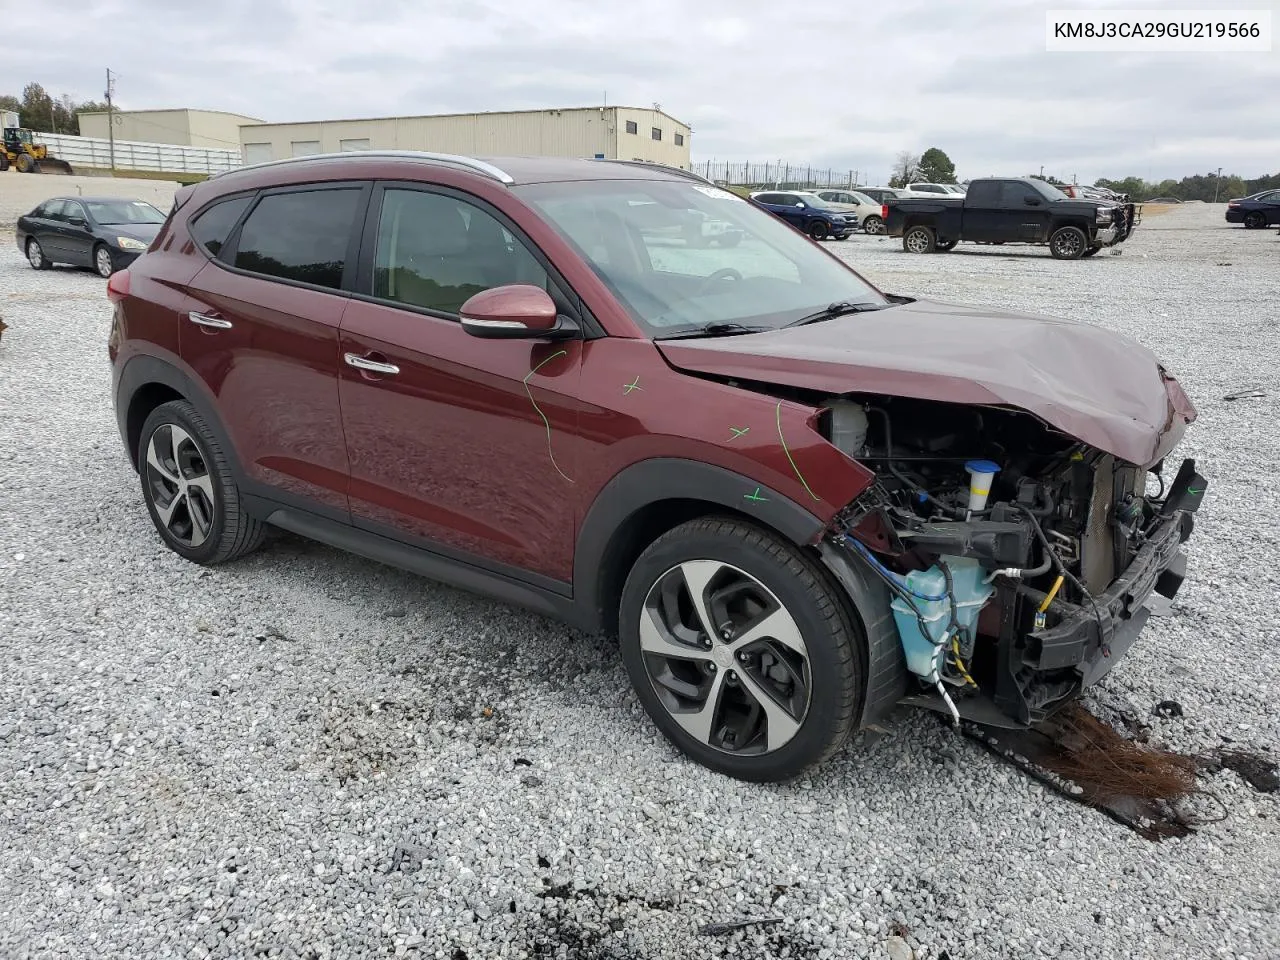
205, 320
373, 366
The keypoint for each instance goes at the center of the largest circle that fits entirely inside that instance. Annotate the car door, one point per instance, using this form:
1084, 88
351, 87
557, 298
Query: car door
261, 332
46, 227
1024, 213
983, 213
1269, 203
460, 445
77, 234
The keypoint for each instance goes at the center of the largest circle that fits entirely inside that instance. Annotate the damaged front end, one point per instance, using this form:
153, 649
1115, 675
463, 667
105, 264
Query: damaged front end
1018, 561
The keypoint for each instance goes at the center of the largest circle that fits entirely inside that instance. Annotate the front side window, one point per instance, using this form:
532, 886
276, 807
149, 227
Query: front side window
123, 211
301, 236
1016, 194
436, 251
681, 256
212, 227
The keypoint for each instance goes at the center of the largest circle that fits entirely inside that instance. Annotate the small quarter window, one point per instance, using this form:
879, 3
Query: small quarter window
212, 227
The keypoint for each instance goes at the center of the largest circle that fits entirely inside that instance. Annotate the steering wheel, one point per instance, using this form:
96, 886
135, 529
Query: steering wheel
724, 273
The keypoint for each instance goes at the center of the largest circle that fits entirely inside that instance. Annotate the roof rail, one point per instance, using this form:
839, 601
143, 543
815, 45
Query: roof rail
450, 159
678, 171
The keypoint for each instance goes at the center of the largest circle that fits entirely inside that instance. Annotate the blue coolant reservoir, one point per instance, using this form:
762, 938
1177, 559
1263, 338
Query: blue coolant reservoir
924, 648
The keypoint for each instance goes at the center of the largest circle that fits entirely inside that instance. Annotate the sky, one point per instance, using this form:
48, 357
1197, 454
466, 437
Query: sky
830, 83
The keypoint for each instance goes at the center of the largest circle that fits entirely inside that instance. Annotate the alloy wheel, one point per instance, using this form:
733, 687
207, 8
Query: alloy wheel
725, 658
180, 485
873, 225
1068, 244
917, 240
35, 256
102, 260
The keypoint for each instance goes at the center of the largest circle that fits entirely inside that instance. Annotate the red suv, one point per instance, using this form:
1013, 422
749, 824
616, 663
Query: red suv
796, 500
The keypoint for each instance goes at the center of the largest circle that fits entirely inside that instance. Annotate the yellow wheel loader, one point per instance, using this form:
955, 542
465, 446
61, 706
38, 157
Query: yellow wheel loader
20, 150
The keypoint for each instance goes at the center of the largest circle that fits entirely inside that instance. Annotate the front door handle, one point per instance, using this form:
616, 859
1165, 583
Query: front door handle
373, 366
205, 320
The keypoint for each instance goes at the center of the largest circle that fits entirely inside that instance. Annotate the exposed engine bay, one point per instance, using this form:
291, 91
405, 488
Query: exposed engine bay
1016, 557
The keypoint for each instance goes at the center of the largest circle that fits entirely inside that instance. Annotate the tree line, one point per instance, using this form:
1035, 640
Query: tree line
41, 112
934, 166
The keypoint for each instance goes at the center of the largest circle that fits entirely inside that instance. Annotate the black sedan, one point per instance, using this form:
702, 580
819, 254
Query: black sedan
1259, 210
105, 233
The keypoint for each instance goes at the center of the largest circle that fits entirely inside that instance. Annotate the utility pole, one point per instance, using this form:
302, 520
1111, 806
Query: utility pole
1217, 180
111, 119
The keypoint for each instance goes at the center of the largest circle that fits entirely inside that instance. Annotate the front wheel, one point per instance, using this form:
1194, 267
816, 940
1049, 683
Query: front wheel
1068, 243
1090, 252
945, 245
873, 225
919, 240
740, 649
817, 230
102, 261
189, 489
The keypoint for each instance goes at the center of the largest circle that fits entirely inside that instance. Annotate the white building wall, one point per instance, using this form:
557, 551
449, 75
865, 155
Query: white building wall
212, 129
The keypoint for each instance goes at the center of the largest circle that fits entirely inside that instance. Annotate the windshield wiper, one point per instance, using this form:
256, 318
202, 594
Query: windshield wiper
716, 330
837, 309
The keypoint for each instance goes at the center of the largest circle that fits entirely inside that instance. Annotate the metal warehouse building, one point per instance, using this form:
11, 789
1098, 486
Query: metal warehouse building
626, 133
211, 129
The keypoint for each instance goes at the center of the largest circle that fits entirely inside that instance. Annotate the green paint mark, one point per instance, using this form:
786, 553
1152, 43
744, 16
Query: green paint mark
756, 497
633, 385
739, 432
1194, 492
783, 441
538, 410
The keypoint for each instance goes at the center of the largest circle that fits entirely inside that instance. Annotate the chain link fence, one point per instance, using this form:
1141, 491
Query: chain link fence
778, 176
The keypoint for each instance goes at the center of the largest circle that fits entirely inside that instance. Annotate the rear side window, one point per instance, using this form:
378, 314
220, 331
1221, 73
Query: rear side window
212, 227
986, 193
301, 236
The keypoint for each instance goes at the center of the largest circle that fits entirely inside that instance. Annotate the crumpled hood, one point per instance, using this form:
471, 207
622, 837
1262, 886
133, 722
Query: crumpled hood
1100, 387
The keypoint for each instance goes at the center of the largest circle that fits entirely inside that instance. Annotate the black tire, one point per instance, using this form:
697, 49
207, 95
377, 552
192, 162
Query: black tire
944, 246
919, 239
4, 160
872, 225
834, 648
229, 530
35, 255
1068, 243
24, 163
1090, 252
104, 264
1254, 220
817, 229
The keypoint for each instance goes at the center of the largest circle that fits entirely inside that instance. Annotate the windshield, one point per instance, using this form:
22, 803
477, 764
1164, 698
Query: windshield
1047, 190
682, 256
813, 200
864, 199
123, 211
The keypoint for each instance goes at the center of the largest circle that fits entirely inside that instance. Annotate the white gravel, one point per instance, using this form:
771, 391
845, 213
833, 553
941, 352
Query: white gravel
307, 755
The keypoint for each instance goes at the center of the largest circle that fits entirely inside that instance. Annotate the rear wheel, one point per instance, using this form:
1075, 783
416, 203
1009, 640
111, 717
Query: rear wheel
817, 230
4, 160
919, 240
1254, 220
873, 225
35, 255
1068, 243
189, 488
740, 649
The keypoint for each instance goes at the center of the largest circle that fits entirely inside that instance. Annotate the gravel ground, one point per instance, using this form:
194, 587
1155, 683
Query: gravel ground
308, 755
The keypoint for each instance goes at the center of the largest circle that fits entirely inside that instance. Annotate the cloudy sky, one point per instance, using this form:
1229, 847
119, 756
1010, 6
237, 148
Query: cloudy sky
828, 82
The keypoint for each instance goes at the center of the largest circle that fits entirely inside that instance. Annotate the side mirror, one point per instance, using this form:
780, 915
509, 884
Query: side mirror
1031, 201
77, 221
518, 311
800, 206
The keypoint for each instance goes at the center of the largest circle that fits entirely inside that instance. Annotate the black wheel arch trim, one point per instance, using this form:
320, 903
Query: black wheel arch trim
653, 481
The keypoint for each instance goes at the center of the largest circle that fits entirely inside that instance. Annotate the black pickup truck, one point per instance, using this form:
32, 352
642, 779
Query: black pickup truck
1011, 211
